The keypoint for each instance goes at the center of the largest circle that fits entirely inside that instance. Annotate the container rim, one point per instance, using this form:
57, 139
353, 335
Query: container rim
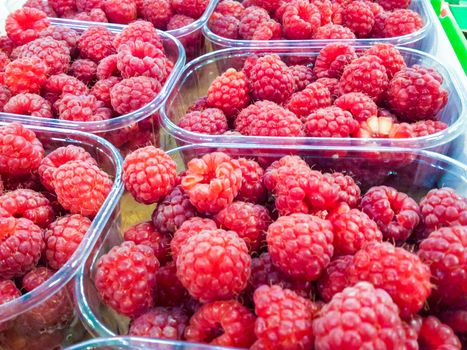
70, 268
439, 138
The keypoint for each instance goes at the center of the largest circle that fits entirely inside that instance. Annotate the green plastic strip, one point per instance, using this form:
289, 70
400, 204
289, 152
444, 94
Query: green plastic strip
460, 15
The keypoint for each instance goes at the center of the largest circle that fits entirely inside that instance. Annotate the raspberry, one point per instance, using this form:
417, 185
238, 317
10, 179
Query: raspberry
333, 31
313, 97
20, 248
390, 56
161, 323
270, 79
203, 274
427, 127
284, 319
145, 233
330, 122
65, 34
394, 4
4, 60
58, 85
400, 273
402, 22
41, 5
63, 7
348, 191
212, 181
188, 229
84, 108
252, 189
107, 67
395, 212
360, 105
149, 174
211, 121
20, 151
24, 25
358, 17
6, 44
25, 75
334, 278
303, 76
300, 20
444, 252
95, 15
436, 335
270, 6
5, 96
416, 94
380, 23
456, 319
230, 8
121, 11
90, 187
169, 290
29, 104
267, 30
138, 30
88, 5
332, 60
102, 89
83, 69
345, 323
157, 12
8, 292
96, 43
125, 278
133, 93
252, 18
225, 26
292, 243
192, 8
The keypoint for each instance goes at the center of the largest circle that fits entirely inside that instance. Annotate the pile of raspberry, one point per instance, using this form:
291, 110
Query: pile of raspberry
339, 93
256, 254
313, 19
48, 197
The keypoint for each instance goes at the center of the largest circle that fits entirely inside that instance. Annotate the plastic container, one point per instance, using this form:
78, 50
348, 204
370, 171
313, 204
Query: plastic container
23, 311
423, 171
123, 127
424, 39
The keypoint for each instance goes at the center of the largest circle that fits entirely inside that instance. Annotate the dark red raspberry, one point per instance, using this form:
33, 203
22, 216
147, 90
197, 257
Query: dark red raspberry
4, 60
225, 26
125, 278
303, 76
191, 8
330, 122
332, 60
360, 105
5, 96
444, 252
400, 273
149, 174
6, 44
157, 12
252, 189
267, 5
358, 17
107, 67
83, 108
96, 43
211, 121
380, 23
333, 31
344, 323
348, 190
120, 11
160, 323
24, 25
436, 335
20, 151
427, 127
8, 292
230, 8
29, 104
169, 290
138, 30
188, 229
145, 233
58, 85
394, 4
334, 278
180, 21
284, 319
390, 56
402, 22
203, 274
300, 20
456, 319
223, 323
65, 34
83, 69
63, 7
44, 6
102, 89
88, 5
27, 74
133, 93
270, 79
332, 84
313, 97
409, 88
252, 18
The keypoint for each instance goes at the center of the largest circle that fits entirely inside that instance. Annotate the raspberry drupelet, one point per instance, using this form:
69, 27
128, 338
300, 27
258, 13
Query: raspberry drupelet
161, 323
188, 229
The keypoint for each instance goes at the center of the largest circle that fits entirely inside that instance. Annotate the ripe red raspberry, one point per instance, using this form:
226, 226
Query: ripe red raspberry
4, 60
102, 88
400, 273
133, 93
395, 212
211, 121
96, 43
145, 233
456, 319
252, 189
20, 151
273, 173
41, 5
230, 8
252, 18
95, 15
303, 76
332, 60
121, 11
5, 96
188, 229
6, 44
284, 319
63, 8
292, 243
436, 335
360, 105
169, 290
233, 321
270, 79
149, 174
267, 30
212, 181
24, 25
300, 20
394, 4
225, 26
107, 67
160, 323
58, 85
402, 22
330, 122
444, 252
29, 104
427, 127
83, 69
25, 75
65, 34
348, 190
84, 108
125, 278
344, 322
313, 97
203, 274
333, 31
270, 6
358, 17
138, 30
390, 56
157, 12
88, 5
8, 292
409, 87
191, 8
380, 23
334, 278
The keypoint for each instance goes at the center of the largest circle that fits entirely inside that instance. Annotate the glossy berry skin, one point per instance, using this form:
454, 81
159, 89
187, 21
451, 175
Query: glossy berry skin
28, 104
25, 75
313, 97
436, 335
252, 189
25, 25
361, 106
161, 323
211, 121
188, 229
332, 60
334, 278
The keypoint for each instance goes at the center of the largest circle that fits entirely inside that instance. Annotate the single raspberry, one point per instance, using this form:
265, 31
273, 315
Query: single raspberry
436, 335
284, 319
65, 34
416, 94
330, 122
188, 229
300, 20
88, 5
395, 212
225, 26
313, 97
230, 8
20, 151
121, 11
29, 104
24, 25
63, 7
44, 6
252, 18
360, 105
203, 274
157, 12
96, 43
444, 252
358, 17
27, 74
427, 127
169, 290
8, 292
270, 79
252, 189
400, 273
402, 22
332, 60
102, 88
107, 68
456, 319
333, 31
303, 76
380, 23
191, 8
58, 85
133, 93
391, 57
145, 233
345, 323
138, 30
125, 278
95, 15
83, 69
334, 278
5, 96
84, 108
160, 323
212, 181
273, 174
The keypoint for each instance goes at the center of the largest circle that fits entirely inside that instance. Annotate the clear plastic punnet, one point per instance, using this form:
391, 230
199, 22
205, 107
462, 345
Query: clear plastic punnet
197, 75
21, 317
424, 39
412, 171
